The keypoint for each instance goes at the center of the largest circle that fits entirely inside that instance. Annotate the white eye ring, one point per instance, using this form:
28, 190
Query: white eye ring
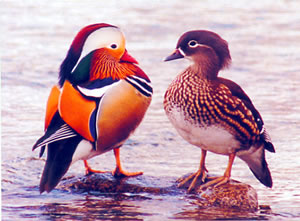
113, 46
193, 44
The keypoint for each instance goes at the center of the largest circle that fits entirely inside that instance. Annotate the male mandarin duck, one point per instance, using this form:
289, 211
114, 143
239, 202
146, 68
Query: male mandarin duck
214, 113
101, 98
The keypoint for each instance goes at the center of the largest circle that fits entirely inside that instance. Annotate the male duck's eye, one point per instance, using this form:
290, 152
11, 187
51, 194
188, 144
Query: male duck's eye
113, 46
193, 43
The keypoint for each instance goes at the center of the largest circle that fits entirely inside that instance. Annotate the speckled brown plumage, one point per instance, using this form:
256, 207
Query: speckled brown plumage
215, 113
205, 102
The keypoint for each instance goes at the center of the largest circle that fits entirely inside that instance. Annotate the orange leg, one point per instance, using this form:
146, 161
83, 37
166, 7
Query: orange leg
223, 179
119, 172
89, 170
201, 173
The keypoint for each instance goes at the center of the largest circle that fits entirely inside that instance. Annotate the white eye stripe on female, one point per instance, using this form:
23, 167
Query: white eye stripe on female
193, 44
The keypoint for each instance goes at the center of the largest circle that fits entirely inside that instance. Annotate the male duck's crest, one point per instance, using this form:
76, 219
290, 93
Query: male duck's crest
96, 49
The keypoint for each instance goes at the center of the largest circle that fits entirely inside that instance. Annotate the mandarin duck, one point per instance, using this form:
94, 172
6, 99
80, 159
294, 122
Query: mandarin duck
101, 98
214, 113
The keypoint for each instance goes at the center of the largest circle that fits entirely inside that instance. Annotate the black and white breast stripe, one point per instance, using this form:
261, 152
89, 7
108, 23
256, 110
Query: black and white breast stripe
95, 92
141, 85
97, 88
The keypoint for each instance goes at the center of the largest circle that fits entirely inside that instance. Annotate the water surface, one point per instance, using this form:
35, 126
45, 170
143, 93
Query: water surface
264, 39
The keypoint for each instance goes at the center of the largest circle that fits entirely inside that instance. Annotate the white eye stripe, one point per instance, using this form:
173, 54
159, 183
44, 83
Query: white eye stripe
103, 37
193, 44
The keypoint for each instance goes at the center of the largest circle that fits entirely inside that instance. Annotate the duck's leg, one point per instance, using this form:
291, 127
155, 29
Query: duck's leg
223, 179
89, 170
119, 172
200, 174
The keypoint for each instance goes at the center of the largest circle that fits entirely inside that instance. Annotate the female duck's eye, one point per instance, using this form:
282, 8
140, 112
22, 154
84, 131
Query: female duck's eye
113, 46
193, 43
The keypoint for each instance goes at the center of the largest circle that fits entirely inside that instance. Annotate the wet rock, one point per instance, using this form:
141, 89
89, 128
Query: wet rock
105, 182
232, 195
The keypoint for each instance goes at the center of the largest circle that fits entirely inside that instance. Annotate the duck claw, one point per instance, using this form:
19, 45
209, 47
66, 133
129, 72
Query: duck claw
215, 182
119, 173
200, 175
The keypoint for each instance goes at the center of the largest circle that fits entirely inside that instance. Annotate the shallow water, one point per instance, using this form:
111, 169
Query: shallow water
265, 47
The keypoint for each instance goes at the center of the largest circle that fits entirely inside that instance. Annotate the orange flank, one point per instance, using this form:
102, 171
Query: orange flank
52, 105
76, 110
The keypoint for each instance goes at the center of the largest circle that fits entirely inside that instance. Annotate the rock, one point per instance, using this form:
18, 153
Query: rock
232, 195
105, 182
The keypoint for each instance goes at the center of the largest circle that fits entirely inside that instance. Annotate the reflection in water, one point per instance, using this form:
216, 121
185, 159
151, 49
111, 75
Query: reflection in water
217, 213
194, 210
99, 206
91, 208
264, 41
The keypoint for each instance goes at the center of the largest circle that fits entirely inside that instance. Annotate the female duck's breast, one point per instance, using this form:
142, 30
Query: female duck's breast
212, 137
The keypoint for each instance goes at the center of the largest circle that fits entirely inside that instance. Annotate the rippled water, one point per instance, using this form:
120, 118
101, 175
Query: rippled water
264, 38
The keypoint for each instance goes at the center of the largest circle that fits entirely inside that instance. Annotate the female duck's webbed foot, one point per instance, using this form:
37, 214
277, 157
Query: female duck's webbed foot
119, 172
201, 174
217, 181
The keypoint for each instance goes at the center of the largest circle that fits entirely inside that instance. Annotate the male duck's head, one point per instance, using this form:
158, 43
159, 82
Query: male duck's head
96, 48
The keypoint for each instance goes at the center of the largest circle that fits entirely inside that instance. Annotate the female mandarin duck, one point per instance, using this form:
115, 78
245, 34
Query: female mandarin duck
101, 99
214, 113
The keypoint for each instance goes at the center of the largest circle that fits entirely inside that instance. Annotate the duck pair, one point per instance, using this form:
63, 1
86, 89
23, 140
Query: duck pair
102, 96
